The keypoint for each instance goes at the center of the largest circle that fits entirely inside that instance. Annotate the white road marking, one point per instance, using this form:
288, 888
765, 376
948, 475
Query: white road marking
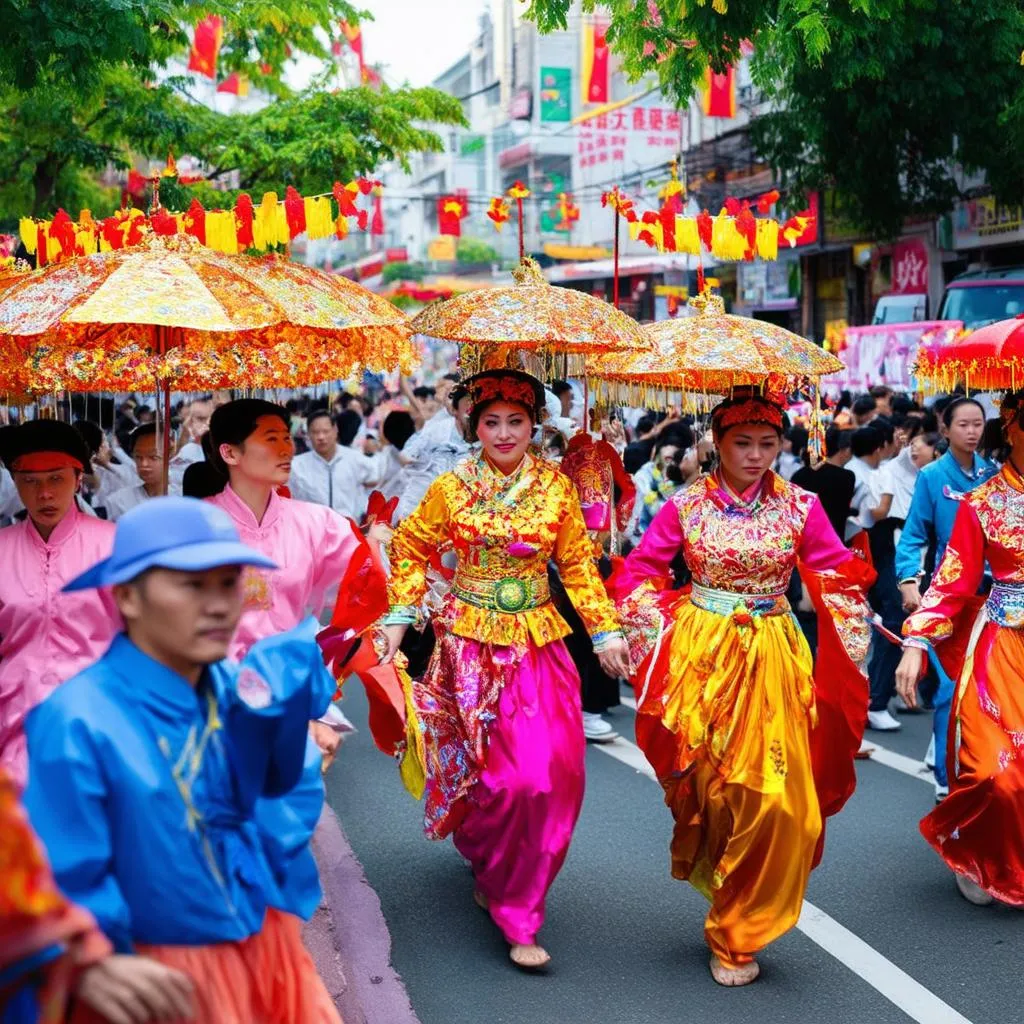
917, 1002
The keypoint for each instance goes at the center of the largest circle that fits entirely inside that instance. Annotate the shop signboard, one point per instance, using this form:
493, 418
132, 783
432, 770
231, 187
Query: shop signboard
555, 93
910, 267
982, 221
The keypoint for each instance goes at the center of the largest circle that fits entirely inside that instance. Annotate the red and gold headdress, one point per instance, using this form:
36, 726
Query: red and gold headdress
746, 408
507, 386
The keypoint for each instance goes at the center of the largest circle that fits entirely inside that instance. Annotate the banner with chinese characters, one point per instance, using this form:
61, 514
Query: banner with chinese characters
910, 267
631, 136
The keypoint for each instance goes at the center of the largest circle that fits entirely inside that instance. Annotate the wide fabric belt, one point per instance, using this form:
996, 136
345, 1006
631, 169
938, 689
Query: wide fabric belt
730, 602
1005, 605
509, 595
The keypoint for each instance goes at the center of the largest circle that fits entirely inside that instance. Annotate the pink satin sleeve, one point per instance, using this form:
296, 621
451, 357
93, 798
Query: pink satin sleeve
820, 548
650, 561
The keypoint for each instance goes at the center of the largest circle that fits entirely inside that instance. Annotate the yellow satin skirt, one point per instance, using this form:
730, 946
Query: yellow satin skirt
726, 709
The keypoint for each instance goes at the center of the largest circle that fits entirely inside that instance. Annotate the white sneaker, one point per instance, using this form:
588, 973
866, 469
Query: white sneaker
941, 792
882, 721
596, 729
972, 892
929, 757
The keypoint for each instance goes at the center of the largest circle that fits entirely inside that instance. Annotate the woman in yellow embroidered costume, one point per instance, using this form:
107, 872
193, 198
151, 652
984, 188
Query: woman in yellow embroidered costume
499, 705
752, 752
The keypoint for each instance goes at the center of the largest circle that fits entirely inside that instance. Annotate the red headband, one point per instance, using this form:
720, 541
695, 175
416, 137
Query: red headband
753, 410
504, 389
43, 462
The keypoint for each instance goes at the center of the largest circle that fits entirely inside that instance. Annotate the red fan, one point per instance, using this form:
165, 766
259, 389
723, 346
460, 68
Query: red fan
380, 511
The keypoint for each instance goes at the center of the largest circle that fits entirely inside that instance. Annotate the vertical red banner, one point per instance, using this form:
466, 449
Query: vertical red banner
720, 94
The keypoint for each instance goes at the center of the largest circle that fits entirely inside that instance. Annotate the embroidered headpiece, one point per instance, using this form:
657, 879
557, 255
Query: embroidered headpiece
754, 410
507, 386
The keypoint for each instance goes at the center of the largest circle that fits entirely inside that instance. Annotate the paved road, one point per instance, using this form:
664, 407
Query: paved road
884, 938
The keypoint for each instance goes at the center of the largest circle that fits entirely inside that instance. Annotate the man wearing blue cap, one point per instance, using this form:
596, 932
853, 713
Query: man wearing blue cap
176, 792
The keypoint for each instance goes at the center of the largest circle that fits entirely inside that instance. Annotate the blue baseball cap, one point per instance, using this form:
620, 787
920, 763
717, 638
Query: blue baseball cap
170, 533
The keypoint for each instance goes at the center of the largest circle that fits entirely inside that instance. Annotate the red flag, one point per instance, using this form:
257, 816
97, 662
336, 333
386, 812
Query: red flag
206, 45
377, 224
450, 212
136, 183
294, 212
594, 77
720, 94
236, 84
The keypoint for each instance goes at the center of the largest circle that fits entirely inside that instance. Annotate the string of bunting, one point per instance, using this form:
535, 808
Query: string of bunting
246, 227
734, 234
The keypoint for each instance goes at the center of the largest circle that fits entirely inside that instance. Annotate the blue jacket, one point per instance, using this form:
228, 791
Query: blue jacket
933, 509
178, 815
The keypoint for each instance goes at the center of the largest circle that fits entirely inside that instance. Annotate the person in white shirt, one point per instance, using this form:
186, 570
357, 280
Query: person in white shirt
435, 450
330, 473
867, 445
194, 424
398, 428
147, 455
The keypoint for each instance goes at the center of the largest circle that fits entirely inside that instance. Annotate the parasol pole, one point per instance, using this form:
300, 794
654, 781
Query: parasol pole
615, 272
163, 343
522, 242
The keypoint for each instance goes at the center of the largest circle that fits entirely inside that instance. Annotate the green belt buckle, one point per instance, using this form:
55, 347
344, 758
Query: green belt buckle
511, 595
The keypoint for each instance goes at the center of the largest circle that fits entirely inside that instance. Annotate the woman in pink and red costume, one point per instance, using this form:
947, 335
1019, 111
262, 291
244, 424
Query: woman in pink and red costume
46, 636
752, 749
313, 545
499, 705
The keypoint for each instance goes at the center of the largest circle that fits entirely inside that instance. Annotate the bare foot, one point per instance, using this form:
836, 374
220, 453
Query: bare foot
734, 977
972, 892
481, 900
529, 958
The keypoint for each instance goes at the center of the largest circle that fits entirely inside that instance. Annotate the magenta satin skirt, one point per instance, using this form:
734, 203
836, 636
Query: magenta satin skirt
503, 733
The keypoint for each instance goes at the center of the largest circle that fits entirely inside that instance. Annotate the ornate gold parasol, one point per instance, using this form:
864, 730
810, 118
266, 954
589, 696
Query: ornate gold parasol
172, 313
713, 352
532, 316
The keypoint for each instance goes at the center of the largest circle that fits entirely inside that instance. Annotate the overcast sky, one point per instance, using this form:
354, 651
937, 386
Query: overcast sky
418, 39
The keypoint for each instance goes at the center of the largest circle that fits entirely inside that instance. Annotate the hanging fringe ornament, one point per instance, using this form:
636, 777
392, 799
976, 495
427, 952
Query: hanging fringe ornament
243, 221
319, 218
768, 239
499, 212
294, 212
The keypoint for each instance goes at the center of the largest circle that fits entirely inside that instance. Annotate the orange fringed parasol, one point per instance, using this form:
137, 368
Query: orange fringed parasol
533, 316
172, 312
714, 352
988, 359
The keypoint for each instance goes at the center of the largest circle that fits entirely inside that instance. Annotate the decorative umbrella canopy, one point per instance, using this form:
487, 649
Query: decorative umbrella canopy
645, 379
714, 352
532, 315
990, 358
172, 312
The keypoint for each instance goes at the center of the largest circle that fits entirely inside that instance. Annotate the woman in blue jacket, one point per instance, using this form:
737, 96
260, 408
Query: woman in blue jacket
930, 522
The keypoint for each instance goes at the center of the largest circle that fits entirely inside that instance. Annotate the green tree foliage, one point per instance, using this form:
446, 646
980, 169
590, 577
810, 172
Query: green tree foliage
403, 272
89, 85
899, 110
475, 250
888, 102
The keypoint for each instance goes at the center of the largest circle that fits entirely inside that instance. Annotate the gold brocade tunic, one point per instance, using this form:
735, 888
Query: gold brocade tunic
504, 530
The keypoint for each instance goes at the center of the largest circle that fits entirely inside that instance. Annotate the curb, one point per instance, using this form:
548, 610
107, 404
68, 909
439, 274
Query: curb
348, 937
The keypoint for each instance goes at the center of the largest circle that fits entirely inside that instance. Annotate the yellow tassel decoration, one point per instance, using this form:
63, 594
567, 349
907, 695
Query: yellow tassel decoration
726, 242
319, 218
221, 232
687, 236
768, 239
27, 230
